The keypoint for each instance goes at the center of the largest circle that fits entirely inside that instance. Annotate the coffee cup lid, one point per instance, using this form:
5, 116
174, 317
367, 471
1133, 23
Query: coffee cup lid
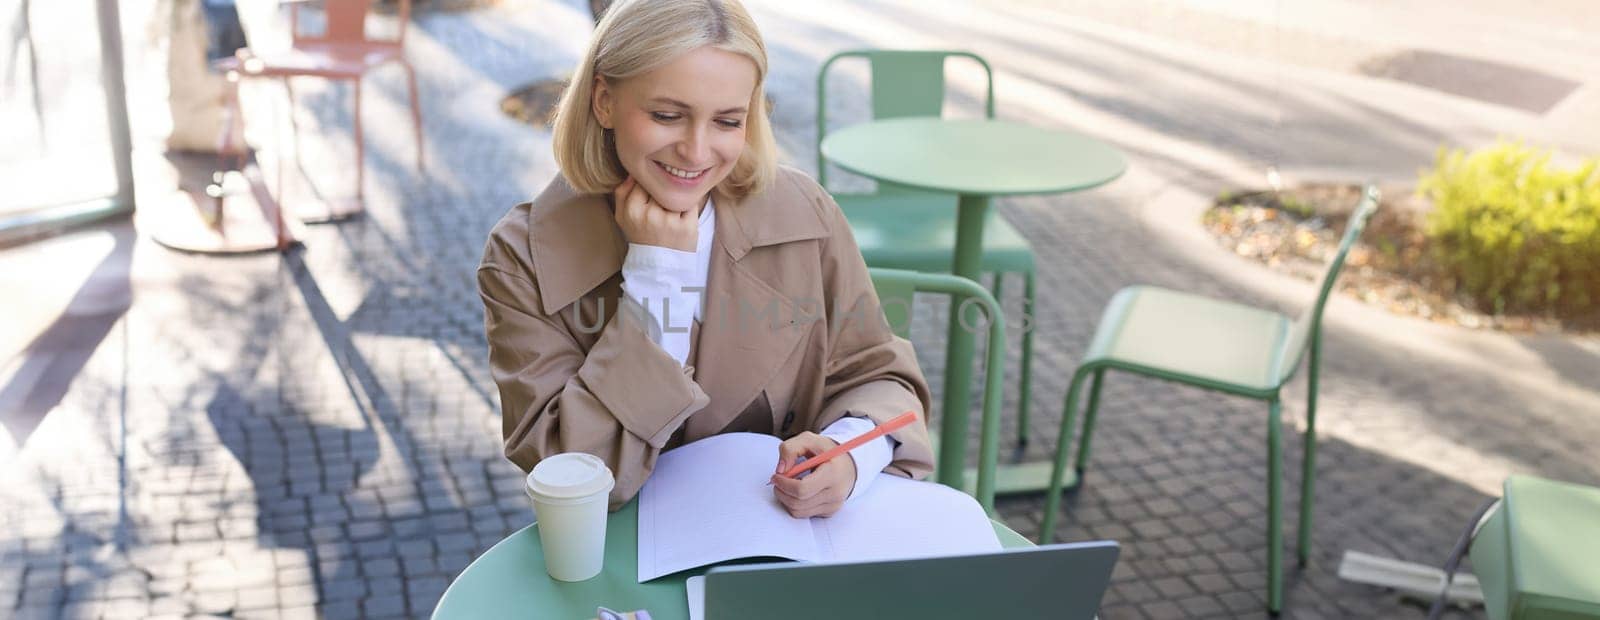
570, 475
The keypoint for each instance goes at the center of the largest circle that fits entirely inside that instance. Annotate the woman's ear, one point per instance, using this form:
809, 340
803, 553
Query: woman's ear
603, 102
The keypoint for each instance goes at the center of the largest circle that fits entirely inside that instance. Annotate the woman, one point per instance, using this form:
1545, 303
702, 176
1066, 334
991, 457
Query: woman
745, 305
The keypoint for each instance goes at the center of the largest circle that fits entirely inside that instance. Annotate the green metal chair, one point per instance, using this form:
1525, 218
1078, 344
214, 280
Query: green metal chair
1220, 346
896, 288
899, 227
1535, 553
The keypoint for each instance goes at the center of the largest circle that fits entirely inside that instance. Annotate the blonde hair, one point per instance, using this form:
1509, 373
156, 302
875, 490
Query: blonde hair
636, 37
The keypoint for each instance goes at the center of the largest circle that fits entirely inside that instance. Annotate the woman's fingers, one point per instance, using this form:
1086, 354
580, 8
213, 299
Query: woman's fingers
821, 491
626, 199
802, 489
804, 444
811, 495
619, 196
795, 446
637, 202
821, 510
646, 222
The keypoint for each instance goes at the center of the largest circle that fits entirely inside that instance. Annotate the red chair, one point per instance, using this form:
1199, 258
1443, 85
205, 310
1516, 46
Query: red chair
341, 52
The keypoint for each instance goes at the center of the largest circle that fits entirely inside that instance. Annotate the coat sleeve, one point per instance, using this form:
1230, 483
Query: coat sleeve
870, 371
621, 400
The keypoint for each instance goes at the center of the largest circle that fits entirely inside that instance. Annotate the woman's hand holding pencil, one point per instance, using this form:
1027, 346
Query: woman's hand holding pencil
824, 491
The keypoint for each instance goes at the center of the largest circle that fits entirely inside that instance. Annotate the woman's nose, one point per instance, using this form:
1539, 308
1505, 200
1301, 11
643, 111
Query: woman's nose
693, 148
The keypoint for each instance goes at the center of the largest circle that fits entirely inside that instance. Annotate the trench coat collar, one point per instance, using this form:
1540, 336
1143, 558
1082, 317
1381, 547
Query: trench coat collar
576, 245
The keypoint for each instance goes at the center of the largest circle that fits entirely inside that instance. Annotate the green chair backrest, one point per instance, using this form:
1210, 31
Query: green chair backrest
904, 83
1308, 325
896, 289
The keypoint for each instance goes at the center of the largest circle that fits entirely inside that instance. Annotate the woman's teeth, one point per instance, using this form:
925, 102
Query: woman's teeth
681, 173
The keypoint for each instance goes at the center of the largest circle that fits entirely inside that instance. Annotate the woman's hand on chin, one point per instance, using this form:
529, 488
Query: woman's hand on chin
645, 222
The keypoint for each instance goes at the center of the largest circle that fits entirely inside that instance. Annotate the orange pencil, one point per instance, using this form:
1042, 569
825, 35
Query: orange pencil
893, 425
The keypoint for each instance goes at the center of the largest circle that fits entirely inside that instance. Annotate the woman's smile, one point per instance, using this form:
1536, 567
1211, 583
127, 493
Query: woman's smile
682, 177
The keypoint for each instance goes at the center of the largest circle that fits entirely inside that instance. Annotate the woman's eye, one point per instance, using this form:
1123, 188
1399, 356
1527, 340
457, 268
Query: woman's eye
663, 117
730, 123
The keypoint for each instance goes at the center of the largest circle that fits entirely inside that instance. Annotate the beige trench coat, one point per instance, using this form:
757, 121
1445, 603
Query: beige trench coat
791, 338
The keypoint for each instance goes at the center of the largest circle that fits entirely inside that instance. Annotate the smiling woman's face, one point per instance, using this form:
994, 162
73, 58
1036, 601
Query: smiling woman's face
680, 128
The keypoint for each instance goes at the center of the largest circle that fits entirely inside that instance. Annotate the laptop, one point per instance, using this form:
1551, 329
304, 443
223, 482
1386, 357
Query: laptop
1053, 581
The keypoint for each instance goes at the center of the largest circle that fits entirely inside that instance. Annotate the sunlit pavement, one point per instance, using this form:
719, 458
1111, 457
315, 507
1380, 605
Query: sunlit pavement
316, 433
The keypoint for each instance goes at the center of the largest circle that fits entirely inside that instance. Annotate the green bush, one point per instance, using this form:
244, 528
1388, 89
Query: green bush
1515, 234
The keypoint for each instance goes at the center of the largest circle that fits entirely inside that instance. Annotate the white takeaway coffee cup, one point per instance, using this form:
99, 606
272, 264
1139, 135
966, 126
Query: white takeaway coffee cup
570, 493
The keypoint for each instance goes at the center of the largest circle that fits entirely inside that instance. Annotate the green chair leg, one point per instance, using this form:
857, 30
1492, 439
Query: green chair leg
1069, 415
1025, 389
998, 290
1308, 461
1274, 509
1088, 423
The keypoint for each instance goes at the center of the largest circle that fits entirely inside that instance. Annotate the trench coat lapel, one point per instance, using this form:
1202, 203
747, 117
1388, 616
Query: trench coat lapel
575, 243
750, 342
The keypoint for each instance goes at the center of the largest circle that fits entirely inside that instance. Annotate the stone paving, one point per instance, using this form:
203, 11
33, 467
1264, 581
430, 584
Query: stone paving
315, 434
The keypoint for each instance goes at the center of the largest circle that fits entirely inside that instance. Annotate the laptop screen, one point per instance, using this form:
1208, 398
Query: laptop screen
1053, 581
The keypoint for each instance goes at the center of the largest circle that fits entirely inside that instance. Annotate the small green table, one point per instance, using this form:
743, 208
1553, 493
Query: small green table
509, 580
976, 159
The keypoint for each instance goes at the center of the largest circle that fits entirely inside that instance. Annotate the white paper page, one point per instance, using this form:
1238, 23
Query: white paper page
696, 588
709, 502
899, 518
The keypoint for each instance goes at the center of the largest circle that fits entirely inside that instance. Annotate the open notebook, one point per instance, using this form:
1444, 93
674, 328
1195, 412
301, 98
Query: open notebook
709, 502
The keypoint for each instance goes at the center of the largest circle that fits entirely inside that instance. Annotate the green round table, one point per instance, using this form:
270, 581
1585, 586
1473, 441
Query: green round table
509, 580
976, 159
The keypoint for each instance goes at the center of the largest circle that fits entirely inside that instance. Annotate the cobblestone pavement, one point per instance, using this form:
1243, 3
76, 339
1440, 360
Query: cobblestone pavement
316, 433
